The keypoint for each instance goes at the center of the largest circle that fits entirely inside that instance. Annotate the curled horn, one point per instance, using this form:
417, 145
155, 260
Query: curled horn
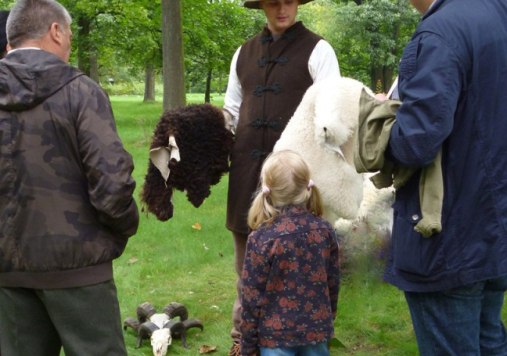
193, 323
144, 332
133, 323
176, 309
178, 330
144, 312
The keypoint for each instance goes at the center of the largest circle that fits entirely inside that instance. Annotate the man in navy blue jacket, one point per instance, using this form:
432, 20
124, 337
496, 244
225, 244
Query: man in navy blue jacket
452, 82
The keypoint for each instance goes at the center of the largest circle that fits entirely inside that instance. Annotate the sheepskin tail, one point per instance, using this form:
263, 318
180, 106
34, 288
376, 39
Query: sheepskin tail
156, 196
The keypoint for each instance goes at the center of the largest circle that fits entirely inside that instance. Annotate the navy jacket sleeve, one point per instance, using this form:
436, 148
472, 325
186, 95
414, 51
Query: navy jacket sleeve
430, 86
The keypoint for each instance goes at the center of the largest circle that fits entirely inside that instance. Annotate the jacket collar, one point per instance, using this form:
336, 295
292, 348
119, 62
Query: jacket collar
434, 7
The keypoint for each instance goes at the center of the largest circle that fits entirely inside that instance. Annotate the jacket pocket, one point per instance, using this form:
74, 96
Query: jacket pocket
413, 253
468, 289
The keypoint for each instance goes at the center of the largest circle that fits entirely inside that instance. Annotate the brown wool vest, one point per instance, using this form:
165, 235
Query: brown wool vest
274, 77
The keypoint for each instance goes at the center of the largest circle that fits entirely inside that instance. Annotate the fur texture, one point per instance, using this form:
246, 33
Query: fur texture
204, 144
323, 124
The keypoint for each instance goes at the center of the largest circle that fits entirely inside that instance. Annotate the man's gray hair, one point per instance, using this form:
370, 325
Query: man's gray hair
31, 20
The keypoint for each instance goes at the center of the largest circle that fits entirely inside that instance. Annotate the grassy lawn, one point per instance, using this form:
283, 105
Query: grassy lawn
173, 261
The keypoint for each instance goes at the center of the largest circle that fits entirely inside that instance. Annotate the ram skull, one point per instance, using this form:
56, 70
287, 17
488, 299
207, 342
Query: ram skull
160, 327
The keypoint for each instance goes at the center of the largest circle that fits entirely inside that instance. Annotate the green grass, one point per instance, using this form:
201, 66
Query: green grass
172, 261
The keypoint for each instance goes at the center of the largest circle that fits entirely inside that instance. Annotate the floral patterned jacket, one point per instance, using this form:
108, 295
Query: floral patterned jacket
290, 282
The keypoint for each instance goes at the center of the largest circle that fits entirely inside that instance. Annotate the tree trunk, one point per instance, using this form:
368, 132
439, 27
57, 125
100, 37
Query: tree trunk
83, 44
172, 49
207, 96
220, 84
388, 78
149, 84
87, 61
94, 68
389, 71
376, 75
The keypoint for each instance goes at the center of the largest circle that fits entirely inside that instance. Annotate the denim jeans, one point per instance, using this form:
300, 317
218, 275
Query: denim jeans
463, 321
308, 350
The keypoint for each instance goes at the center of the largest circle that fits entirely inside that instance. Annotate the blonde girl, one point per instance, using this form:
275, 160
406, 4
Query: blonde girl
290, 280
285, 179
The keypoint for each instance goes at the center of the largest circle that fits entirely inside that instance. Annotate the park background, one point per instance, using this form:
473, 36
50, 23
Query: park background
151, 55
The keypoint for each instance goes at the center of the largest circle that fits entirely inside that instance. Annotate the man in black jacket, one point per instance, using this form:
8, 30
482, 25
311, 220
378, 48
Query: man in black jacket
66, 205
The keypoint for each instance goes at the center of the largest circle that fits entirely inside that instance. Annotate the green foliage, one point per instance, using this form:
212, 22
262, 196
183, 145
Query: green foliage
213, 31
367, 36
6, 4
129, 88
125, 35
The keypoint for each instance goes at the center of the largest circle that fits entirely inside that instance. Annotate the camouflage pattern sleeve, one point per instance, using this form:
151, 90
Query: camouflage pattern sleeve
107, 165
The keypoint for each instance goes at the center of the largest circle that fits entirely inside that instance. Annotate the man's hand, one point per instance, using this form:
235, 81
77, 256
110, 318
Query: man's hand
381, 96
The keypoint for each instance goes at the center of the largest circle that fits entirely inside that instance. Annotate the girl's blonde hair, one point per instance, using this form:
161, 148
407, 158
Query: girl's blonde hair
285, 179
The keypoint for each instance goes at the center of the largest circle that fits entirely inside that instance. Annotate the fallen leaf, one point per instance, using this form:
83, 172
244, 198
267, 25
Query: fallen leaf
205, 349
190, 292
197, 226
206, 248
215, 307
132, 260
220, 254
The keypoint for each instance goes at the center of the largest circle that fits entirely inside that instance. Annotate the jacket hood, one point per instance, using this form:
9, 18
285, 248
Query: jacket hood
30, 76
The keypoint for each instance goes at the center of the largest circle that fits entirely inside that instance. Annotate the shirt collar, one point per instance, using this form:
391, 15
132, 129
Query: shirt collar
20, 49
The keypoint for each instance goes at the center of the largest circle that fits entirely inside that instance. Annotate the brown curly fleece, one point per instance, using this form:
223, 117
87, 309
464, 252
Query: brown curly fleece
204, 145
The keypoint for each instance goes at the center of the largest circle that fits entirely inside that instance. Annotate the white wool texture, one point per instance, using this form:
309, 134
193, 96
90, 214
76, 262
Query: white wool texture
323, 125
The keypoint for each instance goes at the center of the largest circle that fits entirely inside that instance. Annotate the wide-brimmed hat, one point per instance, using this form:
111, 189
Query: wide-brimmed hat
255, 4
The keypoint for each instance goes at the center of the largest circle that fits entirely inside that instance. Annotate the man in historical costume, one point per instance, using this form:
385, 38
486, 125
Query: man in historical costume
269, 75
66, 201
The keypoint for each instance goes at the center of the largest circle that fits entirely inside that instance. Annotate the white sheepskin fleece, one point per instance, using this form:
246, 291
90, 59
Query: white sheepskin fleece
322, 130
375, 213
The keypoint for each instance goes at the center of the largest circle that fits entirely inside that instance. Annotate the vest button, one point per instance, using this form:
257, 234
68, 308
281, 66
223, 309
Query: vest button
415, 217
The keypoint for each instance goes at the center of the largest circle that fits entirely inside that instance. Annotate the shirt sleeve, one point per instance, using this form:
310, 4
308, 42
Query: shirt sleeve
233, 95
333, 273
430, 83
255, 272
323, 62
